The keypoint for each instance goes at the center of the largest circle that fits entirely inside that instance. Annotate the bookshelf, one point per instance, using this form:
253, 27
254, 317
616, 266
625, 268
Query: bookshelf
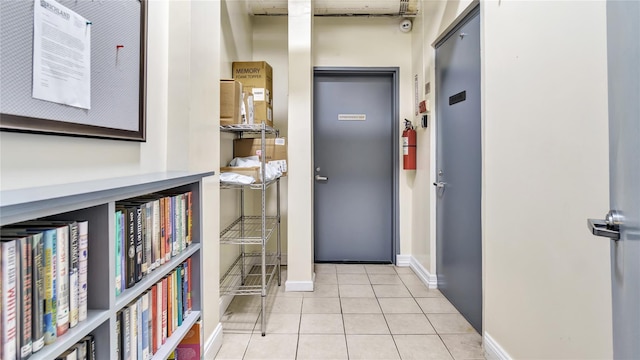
95, 202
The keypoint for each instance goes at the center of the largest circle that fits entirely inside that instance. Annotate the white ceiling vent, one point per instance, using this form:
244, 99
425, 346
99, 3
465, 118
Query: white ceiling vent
406, 8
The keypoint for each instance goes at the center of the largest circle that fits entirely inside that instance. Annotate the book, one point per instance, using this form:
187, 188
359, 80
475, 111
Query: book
70, 354
118, 336
123, 248
165, 309
50, 286
125, 333
143, 240
170, 287
37, 292
23, 306
74, 270
163, 230
158, 330
91, 346
131, 247
153, 324
155, 238
189, 294
9, 299
62, 280
138, 328
144, 325
185, 289
118, 264
189, 217
189, 347
83, 268
148, 233
139, 241
133, 330
179, 276
81, 349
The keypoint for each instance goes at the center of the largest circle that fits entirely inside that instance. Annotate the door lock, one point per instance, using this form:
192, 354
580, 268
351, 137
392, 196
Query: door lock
609, 227
439, 185
321, 178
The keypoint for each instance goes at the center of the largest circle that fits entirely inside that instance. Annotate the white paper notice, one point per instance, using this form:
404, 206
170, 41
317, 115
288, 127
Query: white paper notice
61, 55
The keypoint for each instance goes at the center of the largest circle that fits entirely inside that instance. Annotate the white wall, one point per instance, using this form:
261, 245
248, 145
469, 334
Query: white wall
545, 170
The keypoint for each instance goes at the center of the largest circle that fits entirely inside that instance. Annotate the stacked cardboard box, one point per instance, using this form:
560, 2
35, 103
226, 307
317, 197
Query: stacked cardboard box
257, 80
230, 97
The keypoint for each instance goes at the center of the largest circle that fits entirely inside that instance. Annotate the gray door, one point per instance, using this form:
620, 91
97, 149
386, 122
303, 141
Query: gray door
623, 53
353, 167
458, 170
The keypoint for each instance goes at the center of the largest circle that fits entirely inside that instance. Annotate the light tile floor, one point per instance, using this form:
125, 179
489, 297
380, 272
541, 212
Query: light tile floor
356, 312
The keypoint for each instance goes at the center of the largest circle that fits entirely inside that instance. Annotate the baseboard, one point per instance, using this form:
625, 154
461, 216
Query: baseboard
403, 260
300, 285
213, 343
225, 301
492, 350
431, 280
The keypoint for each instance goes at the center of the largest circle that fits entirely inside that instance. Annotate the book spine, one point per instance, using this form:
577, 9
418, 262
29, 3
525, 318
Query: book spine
172, 225
158, 331
24, 289
9, 300
165, 309
131, 247
123, 249
163, 241
153, 311
156, 233
118, 336
179, 277
50, 286
74, 272
170, 287
134, 330
63, 280
90, 342
185, 288
83, 268
138, 328
189, 294
139, 241
190, 217
183, 221
148, 232
37, 289
118, 267
143, 240
144, 325
126, 334
81, 348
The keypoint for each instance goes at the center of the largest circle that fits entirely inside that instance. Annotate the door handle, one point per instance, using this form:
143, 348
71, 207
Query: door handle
439, 185
610, 227
321, 178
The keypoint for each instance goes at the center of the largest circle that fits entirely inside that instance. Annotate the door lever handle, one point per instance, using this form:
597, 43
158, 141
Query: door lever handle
439, 185
609, 227
321, 178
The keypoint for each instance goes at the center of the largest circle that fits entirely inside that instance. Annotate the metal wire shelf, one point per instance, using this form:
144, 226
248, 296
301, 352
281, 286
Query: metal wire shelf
248, 230
248, 128
248, 282
255, 186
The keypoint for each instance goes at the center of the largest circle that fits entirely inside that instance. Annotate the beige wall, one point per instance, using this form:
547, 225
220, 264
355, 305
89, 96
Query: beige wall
546, 279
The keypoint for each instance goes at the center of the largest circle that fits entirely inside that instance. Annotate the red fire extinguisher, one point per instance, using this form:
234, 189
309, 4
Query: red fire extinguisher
409, 146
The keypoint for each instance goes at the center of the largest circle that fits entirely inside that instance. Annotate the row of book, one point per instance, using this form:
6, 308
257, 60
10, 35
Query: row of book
145, 324
83, 350
150, 231
43, 283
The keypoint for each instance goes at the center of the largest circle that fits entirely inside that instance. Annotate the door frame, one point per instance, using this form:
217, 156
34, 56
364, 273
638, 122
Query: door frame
395, 109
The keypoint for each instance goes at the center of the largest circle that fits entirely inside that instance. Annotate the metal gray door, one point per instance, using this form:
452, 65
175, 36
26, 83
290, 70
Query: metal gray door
622, 223
458, 170
353, 167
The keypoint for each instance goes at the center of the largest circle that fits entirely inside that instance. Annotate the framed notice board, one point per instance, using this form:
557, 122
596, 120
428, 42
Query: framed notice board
116, 108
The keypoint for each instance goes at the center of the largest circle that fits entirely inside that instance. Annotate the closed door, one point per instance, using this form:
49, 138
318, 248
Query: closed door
353, 167
458, 170
622, 223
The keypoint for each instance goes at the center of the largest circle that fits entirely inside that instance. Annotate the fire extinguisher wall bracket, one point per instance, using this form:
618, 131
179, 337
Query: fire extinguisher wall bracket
409, 146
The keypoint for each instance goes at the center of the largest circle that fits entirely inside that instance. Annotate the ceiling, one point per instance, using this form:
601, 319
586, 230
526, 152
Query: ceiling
406, 8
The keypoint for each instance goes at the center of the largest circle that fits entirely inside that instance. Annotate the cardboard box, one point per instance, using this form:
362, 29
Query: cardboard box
276, 150
257, 77
230, 98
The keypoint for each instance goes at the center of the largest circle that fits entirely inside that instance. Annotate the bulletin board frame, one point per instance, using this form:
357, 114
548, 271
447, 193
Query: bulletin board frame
118, 98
